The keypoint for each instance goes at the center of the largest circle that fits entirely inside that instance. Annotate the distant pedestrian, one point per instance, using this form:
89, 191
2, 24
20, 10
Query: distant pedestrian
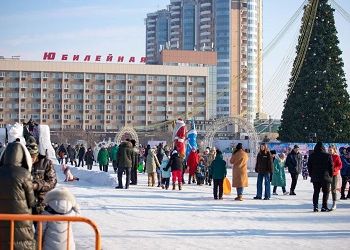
337, 165
278, 175
264, 168
294, 163
305, 172
89, 158
81, 155
239, 160
218, 170
320, 167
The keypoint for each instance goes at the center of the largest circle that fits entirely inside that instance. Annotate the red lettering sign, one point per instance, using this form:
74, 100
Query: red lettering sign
87, 58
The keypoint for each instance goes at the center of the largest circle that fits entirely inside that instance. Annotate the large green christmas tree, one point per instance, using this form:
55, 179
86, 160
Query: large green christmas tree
317, 105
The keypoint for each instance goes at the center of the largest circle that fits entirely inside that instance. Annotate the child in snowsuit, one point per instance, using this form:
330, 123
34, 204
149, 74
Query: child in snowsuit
165, 173
68, 174
60, 202
200, 174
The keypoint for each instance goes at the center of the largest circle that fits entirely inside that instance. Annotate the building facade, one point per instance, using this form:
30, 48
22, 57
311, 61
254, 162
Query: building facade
157, 34
232, 28
102, 96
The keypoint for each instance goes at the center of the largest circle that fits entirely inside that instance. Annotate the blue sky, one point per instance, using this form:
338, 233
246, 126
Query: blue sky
29, 28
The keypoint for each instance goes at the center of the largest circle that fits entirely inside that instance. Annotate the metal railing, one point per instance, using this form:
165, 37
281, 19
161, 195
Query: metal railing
47, 218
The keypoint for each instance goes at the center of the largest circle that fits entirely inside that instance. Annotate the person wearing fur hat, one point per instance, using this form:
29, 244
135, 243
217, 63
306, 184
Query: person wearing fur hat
60, 202
16, 195
44, 176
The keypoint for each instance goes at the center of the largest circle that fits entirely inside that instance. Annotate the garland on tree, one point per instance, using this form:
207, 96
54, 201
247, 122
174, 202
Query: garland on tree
317, 105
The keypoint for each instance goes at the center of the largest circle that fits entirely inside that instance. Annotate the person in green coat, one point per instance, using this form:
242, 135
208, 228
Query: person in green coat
278, 175
218, 170
103, 158
113, 157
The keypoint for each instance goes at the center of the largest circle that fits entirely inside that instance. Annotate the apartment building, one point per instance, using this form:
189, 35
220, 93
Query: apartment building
102, 96
232, 28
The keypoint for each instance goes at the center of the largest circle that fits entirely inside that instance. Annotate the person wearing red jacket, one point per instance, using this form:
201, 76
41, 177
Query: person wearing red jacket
192, 163
337, 165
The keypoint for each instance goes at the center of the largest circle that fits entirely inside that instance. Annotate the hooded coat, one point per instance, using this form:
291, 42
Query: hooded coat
16, 195
218, 167
103, 156
278, 174
125, 155
239, 170
61, 203
151, 162
320, 166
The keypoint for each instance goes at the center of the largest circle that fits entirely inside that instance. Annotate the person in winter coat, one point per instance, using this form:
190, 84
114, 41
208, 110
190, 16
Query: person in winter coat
345, 173
113, 157
278, 174
151, 166
321, 170
44, 176
165, 173
239, 160
294, 163
135, 163
60, 202
264, 168
89, 158
81, 154
72, 155
337, 165
192, 164
62, 154
16, 196
200, 173
125, 158
103, 159
176, 165
219, 172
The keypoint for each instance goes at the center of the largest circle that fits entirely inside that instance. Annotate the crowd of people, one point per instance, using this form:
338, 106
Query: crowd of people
207, 167
28, 179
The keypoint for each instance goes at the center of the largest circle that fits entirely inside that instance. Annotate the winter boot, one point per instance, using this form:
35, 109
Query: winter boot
342, 197
180, 186
173, 186
315, 208
334, 206
239, 198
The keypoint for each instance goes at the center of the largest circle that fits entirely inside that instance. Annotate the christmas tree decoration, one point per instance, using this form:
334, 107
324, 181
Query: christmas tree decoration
317, 100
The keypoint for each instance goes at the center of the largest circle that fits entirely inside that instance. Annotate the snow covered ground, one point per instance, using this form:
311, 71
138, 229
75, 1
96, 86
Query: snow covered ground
151, 218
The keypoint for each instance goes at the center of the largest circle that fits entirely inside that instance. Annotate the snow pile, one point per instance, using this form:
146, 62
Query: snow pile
15, 131
86, 177
44, 143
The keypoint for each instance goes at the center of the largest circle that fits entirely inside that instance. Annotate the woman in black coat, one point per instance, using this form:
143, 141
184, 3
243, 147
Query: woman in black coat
320, 168
16, 195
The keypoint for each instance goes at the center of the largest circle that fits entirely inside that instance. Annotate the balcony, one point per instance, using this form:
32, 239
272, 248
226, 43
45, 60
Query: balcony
205, 12
203, 5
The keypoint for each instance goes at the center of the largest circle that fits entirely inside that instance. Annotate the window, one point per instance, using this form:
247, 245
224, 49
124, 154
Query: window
46, 116
150, 98
57, 86
140, 108
99, 87
46, 106
88, 76
100, 77
45, 75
